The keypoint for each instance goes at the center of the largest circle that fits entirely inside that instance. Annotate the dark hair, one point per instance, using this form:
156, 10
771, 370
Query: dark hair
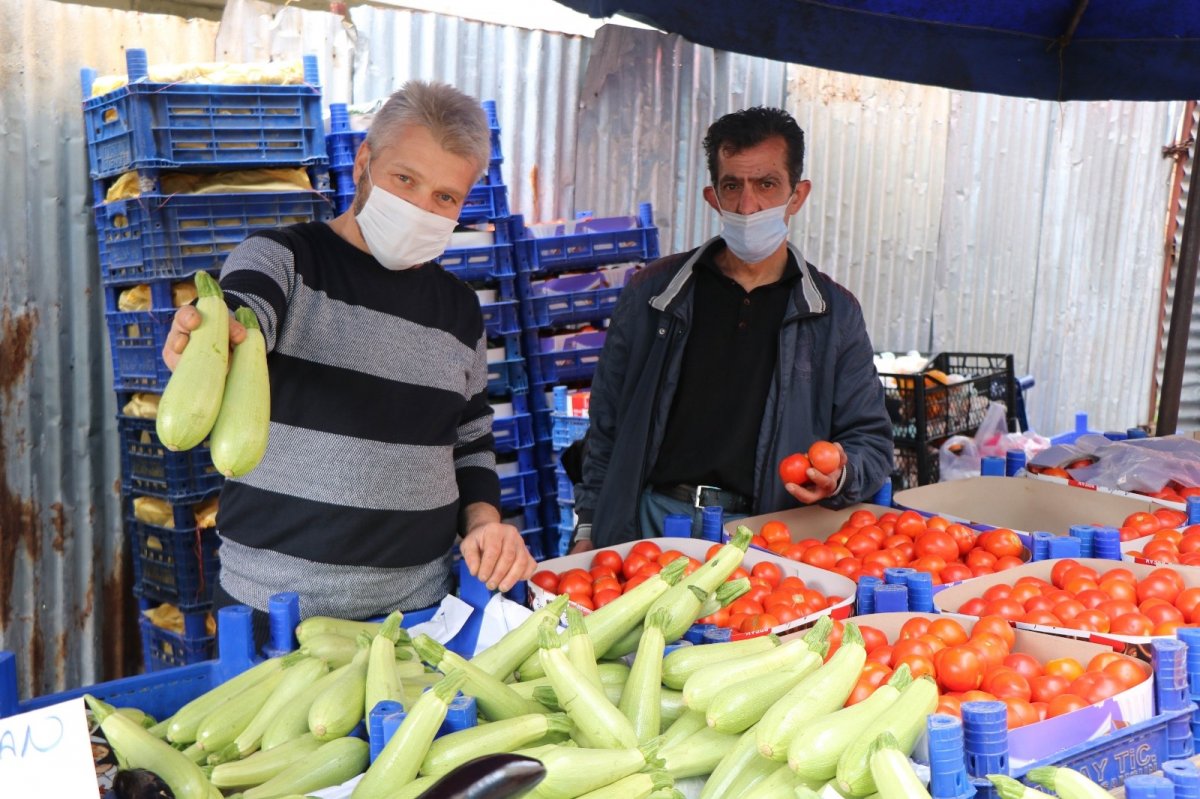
749, 127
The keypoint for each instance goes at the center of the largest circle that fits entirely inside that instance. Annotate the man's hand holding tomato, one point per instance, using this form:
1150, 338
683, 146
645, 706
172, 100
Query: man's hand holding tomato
816, 475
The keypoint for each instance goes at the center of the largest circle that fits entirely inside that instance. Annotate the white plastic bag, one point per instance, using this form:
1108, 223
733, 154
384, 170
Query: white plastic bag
958, 459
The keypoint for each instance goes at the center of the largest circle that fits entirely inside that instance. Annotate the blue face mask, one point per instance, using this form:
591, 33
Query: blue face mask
754, 237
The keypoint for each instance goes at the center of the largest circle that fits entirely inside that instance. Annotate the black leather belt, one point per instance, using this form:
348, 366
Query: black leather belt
702, 496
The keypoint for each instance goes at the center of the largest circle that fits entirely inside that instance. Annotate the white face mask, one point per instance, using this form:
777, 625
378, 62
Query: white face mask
753, 237
399, 234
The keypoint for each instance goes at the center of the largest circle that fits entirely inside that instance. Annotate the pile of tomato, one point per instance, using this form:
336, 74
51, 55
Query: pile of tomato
867, 544
1173, 491
1080, 598
981, 666
773, 598
1140, 525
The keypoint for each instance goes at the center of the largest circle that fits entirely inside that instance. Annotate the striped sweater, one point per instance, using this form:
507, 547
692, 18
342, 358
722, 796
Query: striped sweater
380, 428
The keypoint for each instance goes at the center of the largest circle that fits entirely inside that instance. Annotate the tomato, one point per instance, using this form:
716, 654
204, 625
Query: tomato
873, 637
670, 556
575, 584
738, 574
954, 572
744, 605
1066, 703
910, 523
949, 630
1020, 712
775, 531
603, 597
919, 665
608, 559
1170, 517
937, 544
997, 592
960, 668
545, 580
914, 628
861, 518
1159, 586
692, 565
583, 600
759, 621
880, 654
1002, 543
825, 457
973, 607
785, 613
600, 572
650, 569
634, 582
963, 536
909, 646
868, 681
821, 556
860, 544
720, 618
647, 549
1005, 683
1060, 570
1163, 614
794, 469
1007, 609
1130, 624
606, 583
1187, 601
949, 705
632, 565
758, 594
1068, 609
1025, 665
997, 627
1126, 672
848, 567
991, 649
1048, 686
1096, 687
981, 558
767, 571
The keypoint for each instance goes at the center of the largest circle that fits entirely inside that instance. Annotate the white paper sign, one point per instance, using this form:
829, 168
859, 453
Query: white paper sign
47, 752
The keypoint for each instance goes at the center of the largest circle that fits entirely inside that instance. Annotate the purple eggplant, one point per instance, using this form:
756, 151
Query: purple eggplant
489, 777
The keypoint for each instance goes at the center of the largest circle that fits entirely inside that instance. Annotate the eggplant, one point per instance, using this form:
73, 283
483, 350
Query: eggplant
489, 777
138, 783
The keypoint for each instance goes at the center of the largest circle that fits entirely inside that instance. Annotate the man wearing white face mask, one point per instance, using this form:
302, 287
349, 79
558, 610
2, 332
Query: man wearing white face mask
380, 450
722, 361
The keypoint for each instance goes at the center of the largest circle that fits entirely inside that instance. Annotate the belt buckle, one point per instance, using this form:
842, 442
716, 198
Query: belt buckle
699, 491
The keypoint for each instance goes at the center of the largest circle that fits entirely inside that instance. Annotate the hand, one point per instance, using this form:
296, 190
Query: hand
582, 545
820, 485
186, 320
495, 553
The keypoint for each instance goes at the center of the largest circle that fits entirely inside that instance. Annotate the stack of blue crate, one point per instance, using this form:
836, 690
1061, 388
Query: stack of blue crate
481, 255
154, 243
568, 279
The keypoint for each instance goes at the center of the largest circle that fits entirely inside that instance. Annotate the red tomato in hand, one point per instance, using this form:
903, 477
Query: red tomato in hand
825, 457
794, 469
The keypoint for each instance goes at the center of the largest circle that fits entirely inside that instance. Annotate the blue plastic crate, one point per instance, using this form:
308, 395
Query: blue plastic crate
534, 543
156, 236
566, 515
136, 339
484, 202
163, 649
563, 366
500, 318
596, 245
507, 377
148, 467
566, 430
512, 433
178, 565
548, 310
566, 489
565, 534
519, 490
177, 126
341, 146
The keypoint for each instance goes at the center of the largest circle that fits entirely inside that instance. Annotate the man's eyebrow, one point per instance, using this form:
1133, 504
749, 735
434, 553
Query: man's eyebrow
737, 179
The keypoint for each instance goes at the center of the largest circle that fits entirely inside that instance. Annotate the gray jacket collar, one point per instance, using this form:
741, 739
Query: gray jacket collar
810, 294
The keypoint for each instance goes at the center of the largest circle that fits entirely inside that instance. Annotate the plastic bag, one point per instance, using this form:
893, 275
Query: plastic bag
958, 459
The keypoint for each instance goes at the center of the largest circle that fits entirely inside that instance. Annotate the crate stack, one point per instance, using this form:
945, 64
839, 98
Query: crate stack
568, 279
145, 138
480, 254
950, 397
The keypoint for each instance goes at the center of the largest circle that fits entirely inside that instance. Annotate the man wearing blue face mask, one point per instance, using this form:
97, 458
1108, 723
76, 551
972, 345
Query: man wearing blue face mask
380, 450
722, 361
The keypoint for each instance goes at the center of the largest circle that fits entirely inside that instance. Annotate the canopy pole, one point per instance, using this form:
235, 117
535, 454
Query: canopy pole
1181, 311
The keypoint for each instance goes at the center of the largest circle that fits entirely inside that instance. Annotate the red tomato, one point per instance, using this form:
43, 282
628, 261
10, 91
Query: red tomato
712, 551
606, 583
914, 628
949, 705
1001, 543
873, 638
1048, 686
919, 665
720, 618
868, 681
574, 584
973, 607
744, 605
602, 598
738, 574
634, 582
964, 536
647, 549
775, 531
767, 571
1069, 668
609, 559
1126, 672
959, 668
633, 564
949, 630
825, 457
1065, 703
880, 654
996, 626
545, 580
861, 518
794, 469
954, 572
1006, 683
669, 556
937, 544
759, 621
600, 572
1020, 712
1130, 624
1025, 665
990, 648
650, 569
757, 594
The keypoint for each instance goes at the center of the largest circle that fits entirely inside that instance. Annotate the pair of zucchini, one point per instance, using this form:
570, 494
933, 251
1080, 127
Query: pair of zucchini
207, 397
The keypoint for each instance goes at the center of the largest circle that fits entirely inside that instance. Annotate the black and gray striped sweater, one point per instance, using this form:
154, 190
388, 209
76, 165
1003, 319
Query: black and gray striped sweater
380, 427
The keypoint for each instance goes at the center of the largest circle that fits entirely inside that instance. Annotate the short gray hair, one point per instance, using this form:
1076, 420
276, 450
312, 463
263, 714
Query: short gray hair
458, 122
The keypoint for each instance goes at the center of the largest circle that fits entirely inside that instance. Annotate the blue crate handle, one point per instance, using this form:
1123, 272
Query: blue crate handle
1184, 776
1149, 786
948, 770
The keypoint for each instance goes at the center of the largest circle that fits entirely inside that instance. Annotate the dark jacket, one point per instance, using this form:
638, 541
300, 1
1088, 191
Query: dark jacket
825, 387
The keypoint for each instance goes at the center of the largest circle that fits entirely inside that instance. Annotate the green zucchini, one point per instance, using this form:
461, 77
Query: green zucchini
239, 436
192, 399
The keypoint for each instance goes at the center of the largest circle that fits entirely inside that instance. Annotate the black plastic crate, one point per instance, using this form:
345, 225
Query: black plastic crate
176, 565
925, 411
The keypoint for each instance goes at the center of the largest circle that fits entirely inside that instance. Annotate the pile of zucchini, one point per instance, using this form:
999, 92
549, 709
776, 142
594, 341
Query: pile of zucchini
210, 397
758, 718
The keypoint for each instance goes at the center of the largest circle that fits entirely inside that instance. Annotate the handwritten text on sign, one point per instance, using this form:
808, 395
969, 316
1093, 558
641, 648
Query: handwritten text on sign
48, 751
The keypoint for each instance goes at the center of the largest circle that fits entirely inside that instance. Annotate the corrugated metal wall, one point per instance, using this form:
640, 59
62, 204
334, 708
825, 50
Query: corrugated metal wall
962, 222
533, 76
63, 588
